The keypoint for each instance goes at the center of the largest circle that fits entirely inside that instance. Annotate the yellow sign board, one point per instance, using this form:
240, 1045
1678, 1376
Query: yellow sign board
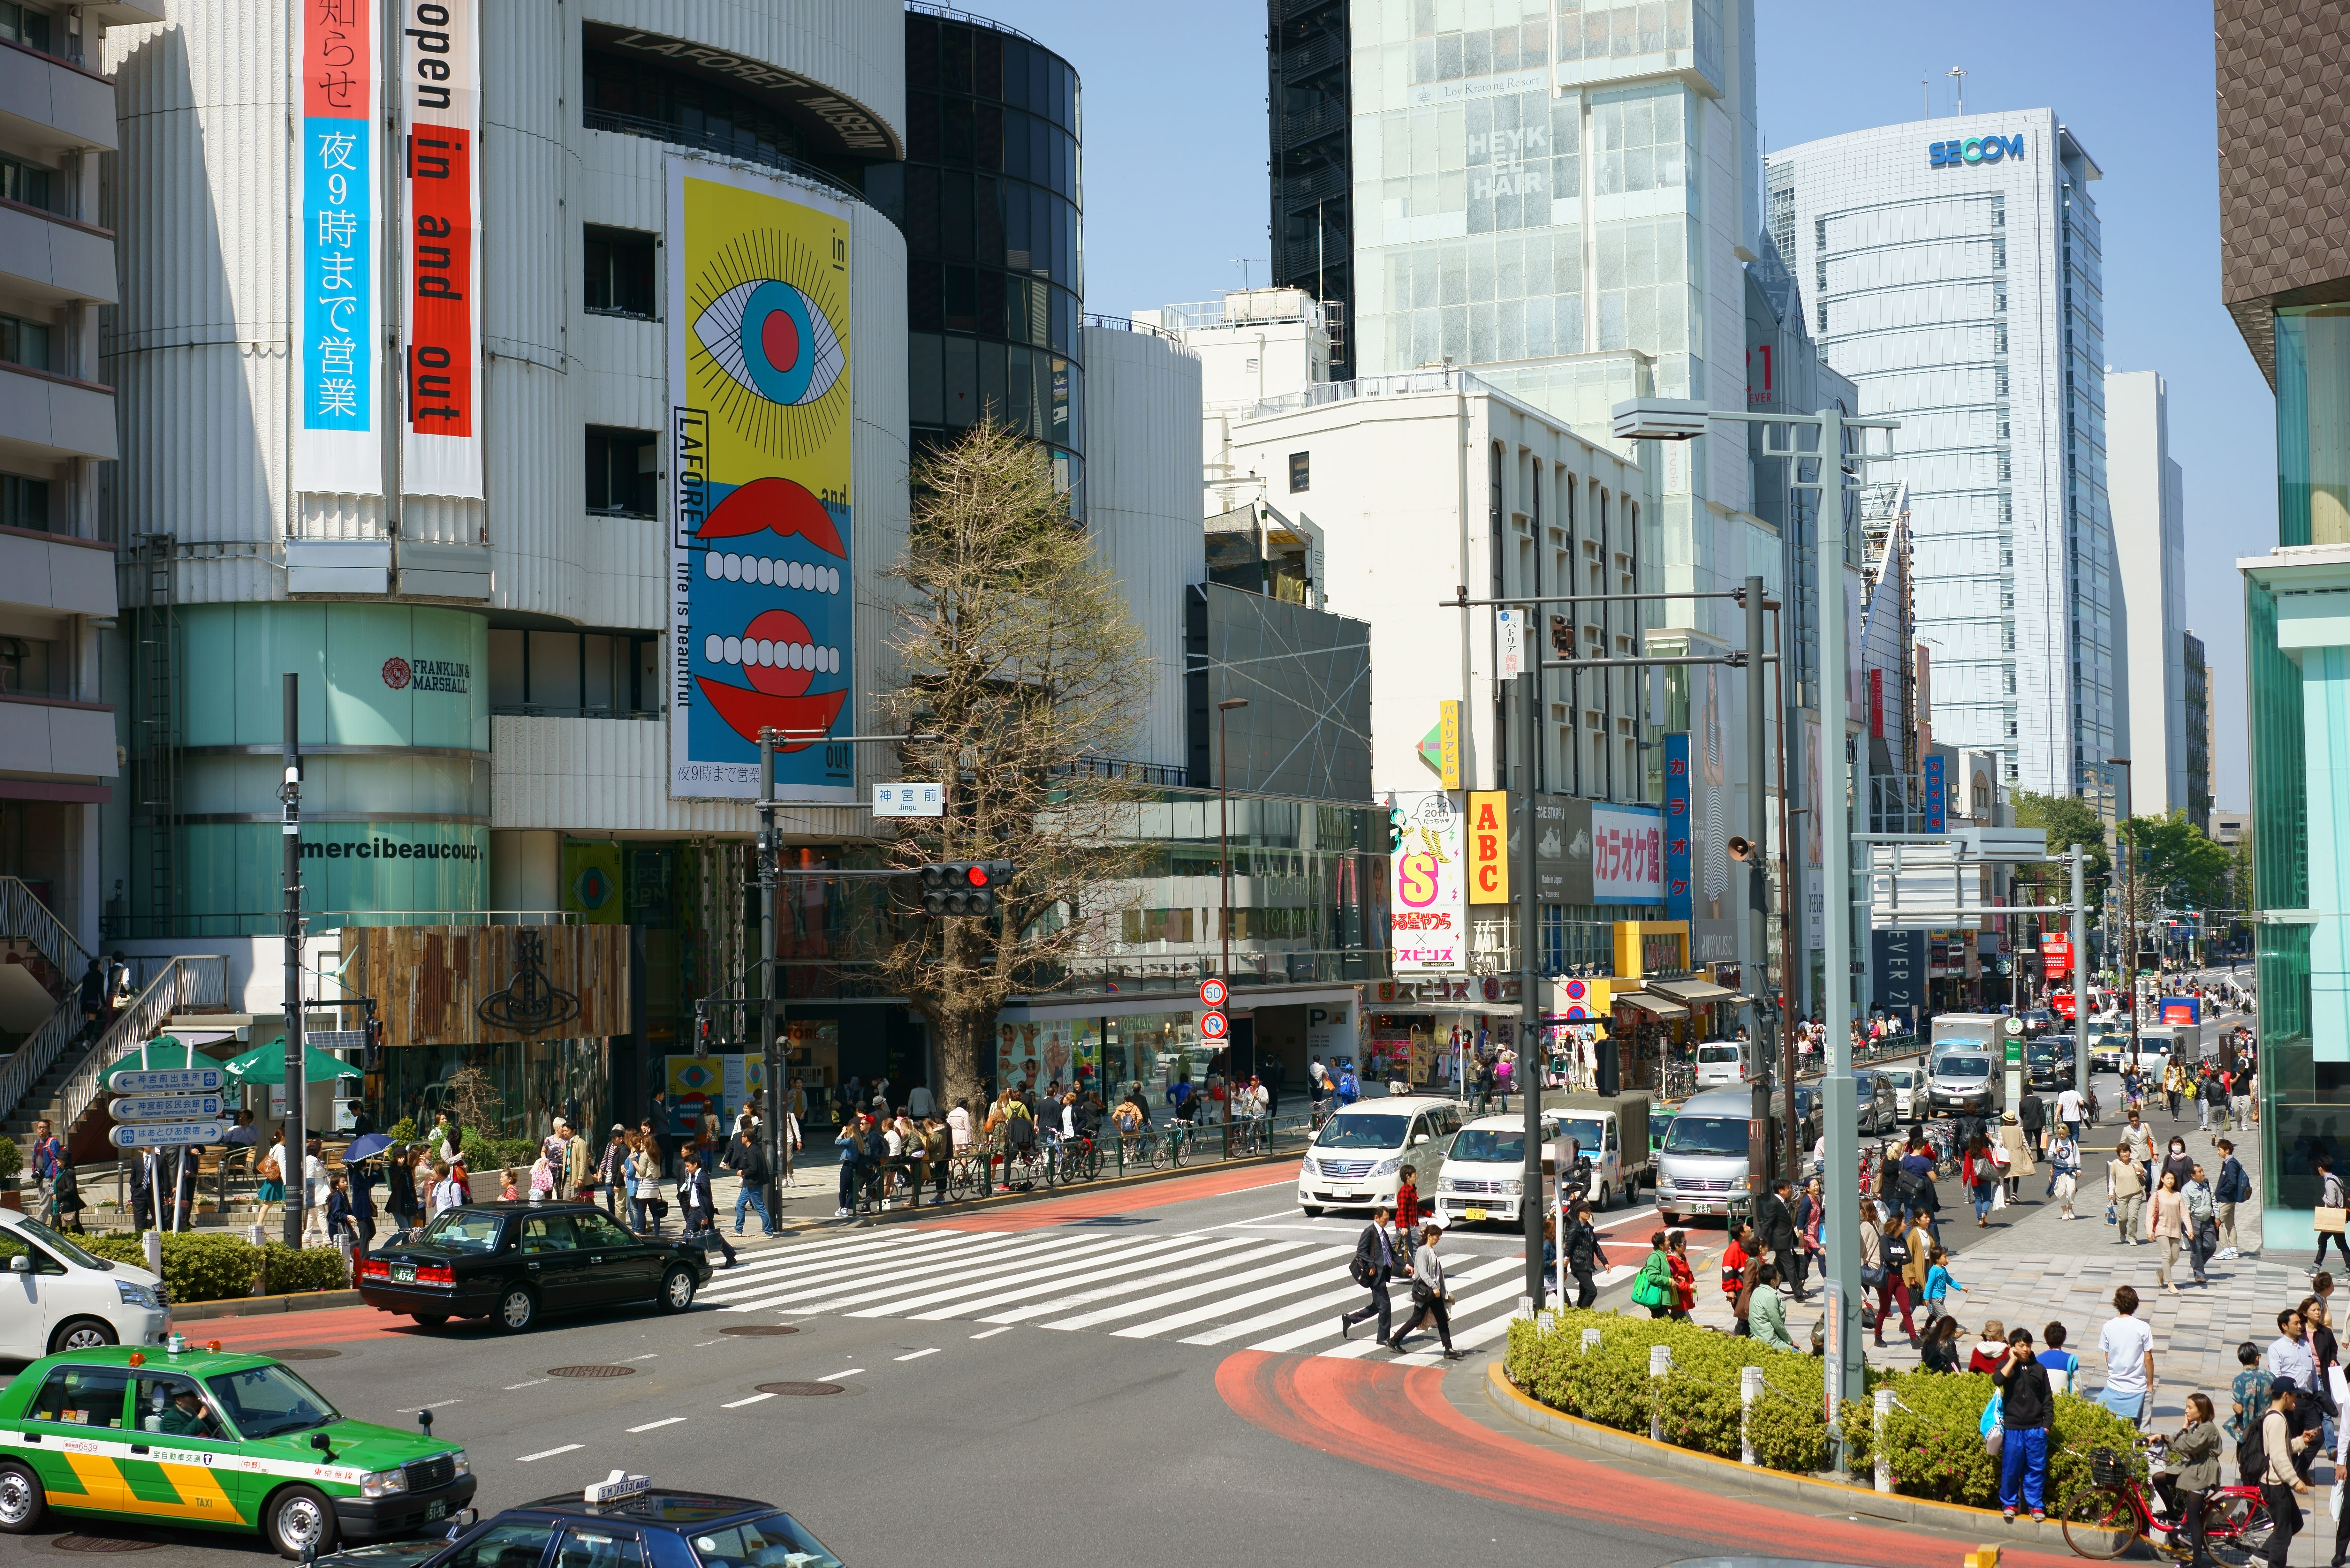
1488, 846
1449, 770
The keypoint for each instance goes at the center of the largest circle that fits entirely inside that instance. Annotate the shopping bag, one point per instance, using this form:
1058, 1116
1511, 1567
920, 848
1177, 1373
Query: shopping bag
2329, 1222
1997, 1197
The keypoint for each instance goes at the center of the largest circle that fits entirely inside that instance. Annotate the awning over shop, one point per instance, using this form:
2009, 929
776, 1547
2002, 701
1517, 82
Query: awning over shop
1651, 1003
1703, 992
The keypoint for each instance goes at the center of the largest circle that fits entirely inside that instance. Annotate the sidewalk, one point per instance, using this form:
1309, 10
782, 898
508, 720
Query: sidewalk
2033, 1268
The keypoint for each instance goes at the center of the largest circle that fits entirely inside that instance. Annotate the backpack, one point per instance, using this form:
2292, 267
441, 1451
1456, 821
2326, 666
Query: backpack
2251, 1448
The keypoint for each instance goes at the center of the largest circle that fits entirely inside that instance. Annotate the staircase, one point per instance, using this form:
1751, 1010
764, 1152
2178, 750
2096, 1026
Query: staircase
56, 960
65, 1083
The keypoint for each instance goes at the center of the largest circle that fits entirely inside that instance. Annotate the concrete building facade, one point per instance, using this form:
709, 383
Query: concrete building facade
2148, 490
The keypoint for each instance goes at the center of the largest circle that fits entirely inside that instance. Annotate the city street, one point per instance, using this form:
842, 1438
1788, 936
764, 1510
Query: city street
1159, 1367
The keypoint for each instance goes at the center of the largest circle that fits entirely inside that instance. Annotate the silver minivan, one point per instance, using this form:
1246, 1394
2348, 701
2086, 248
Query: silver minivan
1359, 1156
1702, 1167
1967, 1079
1720, 1062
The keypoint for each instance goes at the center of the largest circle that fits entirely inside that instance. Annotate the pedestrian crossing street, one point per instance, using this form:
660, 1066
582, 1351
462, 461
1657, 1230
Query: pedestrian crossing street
1213, 1288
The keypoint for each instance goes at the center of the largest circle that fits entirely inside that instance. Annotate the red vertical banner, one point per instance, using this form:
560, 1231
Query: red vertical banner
439, 89
1876, 703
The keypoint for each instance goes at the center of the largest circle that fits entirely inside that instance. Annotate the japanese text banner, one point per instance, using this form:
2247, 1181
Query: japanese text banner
440, 99
337, 364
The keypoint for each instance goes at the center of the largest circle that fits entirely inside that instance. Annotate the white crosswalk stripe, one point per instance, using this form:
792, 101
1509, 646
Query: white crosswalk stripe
1202, 1288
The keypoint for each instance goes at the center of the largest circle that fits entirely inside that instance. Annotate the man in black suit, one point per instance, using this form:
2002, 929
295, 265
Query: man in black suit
1375, 1264
1774, 1227
699, 1208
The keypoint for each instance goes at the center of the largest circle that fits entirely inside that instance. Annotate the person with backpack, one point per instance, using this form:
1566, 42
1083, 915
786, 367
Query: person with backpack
2232, 1188
2273, 1462
1653, 1286
2329, 1196
1349, 1088
1020, 1130
1375, 1264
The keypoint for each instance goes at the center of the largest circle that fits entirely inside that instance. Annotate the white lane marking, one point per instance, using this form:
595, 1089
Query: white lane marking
1298, 1338
754, 1399
836, 1377
650, 1426
991, 1333
920, 1354
895, 1254
1278, 1258
1212, 1253
1349, 1295
531, 1384
706, 1344
812, 1294
650, 1355
1077, 1252
548, 1453
436, 1405
1271, 1293
1099, 1266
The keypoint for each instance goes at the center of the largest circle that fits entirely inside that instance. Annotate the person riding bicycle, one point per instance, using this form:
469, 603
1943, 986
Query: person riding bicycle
1184, 1098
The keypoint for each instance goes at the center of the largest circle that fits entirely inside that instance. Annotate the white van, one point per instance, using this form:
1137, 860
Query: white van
55, 1297
1719, 1063
1359, 1156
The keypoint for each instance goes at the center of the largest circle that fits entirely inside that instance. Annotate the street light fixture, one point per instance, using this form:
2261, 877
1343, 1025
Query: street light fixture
1224, 855
1673, 419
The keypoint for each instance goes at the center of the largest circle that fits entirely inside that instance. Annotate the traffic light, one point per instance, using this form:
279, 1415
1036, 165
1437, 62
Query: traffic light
371, 1059
963, 887
1562, 637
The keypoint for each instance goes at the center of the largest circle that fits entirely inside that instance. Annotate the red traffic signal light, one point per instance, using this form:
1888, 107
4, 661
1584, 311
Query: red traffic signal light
976, 875
962, 887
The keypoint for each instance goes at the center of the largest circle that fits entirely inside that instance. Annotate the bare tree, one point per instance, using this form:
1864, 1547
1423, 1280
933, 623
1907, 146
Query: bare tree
1016, 651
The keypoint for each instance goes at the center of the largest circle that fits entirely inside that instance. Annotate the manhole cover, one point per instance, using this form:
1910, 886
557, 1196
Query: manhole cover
102, 1543
809, 1389
591, 1372
761, 1328
298, 1353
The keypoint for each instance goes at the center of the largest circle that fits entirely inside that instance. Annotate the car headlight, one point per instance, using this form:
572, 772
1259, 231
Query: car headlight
1446, 1184
1514, 1186
1388, 1166
463, 1466
137, 1296
383, 1484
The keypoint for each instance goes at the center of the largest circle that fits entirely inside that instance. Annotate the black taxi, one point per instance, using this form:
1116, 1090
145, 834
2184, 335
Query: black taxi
511, 1262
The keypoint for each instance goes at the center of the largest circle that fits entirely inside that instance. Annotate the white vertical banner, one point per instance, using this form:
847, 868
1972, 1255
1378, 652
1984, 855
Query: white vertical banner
441, 311
1509, 635
338, 343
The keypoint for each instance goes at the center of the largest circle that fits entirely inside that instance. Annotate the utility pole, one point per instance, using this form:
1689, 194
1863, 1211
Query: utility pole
2080, 991
1754, 927
770, 1126
1224, 840
2126, 836
290, 792
1532, 1058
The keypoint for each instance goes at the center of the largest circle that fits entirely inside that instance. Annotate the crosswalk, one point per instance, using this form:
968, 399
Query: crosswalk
1201, 1287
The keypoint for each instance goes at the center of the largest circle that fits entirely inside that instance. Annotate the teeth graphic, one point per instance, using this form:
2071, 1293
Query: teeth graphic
738, 568
759, 651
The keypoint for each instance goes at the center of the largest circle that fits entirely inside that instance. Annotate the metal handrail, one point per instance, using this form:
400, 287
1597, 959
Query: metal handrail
190, 982
974, 19
23, 915
40, 1051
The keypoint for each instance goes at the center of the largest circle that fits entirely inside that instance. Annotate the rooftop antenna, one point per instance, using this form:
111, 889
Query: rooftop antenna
1926, 96
1959, 74
1242, 262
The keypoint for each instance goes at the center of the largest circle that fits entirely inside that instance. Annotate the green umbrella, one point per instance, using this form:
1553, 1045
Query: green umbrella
163, 1052
266, 1065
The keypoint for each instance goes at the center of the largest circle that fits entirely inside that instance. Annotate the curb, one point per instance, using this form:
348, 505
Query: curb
1958, 1519
263, 1306
1039, 1195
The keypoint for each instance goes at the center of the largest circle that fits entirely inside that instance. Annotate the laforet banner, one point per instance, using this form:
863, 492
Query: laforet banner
762, 591
591, 882
465, 985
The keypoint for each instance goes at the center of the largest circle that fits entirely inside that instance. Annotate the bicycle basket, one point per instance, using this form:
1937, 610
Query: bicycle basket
2107, 1468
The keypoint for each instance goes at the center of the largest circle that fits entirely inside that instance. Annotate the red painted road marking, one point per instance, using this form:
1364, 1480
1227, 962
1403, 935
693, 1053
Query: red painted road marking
1397, 1419
325, 1326
1053, 1211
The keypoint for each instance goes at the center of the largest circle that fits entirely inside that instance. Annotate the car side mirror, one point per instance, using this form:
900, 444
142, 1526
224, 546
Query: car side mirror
325, 1444
22, 1264
1421, 1139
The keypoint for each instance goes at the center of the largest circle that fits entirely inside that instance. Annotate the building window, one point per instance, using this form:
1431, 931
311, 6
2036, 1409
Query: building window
622, 477
620, 272
1301, 472
23, 24
24, 503
27, 183
24, 342
25, 665
643, 98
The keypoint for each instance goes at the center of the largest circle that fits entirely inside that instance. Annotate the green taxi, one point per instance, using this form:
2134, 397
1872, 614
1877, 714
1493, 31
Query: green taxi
217, 1440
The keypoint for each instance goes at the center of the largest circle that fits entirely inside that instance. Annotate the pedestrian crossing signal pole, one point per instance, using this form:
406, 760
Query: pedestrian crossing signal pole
770, 1126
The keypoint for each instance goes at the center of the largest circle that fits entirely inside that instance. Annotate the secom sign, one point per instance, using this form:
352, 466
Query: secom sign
1973, 150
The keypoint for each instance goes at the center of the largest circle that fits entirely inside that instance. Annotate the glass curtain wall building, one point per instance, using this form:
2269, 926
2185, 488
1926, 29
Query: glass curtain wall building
989, 200
1953, 271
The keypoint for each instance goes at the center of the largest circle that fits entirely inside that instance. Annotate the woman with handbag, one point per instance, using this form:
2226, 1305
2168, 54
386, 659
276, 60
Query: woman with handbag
1980, 1175
1428, 1297
2063, 1168
644, 1187
1652, 1287
2125, 1190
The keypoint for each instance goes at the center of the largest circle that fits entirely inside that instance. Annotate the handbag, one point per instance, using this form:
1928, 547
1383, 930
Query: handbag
1871, 1276
2328, 1221
1993, 1430
1422, 1292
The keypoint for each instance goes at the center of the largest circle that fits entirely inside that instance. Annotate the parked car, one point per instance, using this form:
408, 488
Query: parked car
1904, 1081
511, 1262
59, 1296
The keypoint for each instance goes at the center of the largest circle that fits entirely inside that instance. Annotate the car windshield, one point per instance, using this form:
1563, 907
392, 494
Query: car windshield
465, 1230
1965, 1067
1587, 1134
264, 1401
1707, 1135
1490, 1144
61, 1244
778, 1541
1362, 1132
1900, 1078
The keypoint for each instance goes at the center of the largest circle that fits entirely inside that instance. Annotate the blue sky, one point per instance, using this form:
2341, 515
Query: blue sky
1175, 190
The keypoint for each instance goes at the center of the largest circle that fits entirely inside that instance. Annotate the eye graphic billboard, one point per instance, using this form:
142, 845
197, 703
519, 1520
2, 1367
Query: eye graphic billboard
762, 594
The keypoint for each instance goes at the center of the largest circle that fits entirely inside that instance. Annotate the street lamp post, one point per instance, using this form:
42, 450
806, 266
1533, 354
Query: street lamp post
1224, 851
1664, 419
2124, 832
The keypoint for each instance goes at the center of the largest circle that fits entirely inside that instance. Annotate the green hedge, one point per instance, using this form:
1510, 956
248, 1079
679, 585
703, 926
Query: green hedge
1932, 1433
206, 1266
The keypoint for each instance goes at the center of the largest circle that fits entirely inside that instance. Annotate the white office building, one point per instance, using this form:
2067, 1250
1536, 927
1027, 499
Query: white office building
1953, 271
2150, 538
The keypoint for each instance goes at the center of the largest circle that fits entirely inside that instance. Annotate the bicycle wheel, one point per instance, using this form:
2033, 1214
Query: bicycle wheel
2099, 1522
1159, 1150
1175, 1142
1092, 1159
2237, 1522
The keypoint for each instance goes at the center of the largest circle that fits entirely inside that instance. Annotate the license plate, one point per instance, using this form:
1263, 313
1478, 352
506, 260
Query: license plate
1348, 1192
436, 1511
1705, 1208
403, 1273
1473, 1215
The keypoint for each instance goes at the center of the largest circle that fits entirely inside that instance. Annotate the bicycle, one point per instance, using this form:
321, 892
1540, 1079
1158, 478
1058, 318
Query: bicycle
2104, 1519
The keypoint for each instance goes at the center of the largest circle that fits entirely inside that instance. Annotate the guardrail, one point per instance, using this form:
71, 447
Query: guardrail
192, 981
23, 915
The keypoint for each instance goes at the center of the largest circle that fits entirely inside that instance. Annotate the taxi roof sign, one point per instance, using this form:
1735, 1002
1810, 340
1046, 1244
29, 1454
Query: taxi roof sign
617, 1486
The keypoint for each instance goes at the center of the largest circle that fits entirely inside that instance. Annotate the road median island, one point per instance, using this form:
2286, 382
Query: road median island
1603, 1397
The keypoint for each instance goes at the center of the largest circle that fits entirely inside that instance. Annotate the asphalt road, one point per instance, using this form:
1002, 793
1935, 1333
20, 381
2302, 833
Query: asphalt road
956, 1437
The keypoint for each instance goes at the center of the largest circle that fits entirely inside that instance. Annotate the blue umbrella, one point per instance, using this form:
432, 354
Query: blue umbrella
366, 1148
